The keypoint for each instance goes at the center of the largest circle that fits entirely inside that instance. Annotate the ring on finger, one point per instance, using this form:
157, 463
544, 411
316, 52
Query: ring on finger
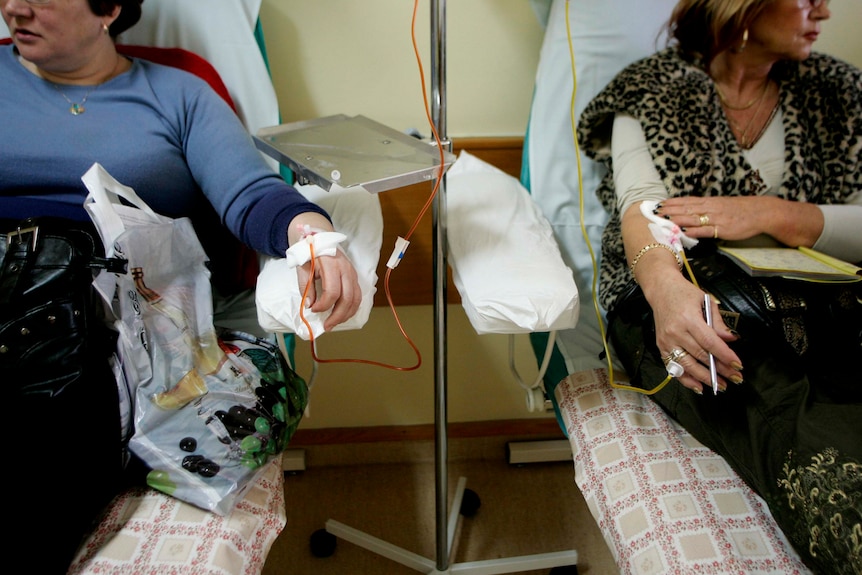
675, 354
715, 232
704, 219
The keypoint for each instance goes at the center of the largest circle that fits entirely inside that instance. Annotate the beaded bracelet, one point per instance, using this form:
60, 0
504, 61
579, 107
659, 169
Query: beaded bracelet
647, 248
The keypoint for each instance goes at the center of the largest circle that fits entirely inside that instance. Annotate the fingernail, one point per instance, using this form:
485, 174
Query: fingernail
655, 212
698, 391
682, 228
659, 206
735, 334
736, 365
737, 379
667, 217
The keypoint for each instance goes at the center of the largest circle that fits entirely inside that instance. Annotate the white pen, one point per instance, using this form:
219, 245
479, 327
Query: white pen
707, 314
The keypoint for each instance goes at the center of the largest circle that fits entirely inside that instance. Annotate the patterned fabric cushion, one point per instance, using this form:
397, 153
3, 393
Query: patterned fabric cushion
664, 502
146, 532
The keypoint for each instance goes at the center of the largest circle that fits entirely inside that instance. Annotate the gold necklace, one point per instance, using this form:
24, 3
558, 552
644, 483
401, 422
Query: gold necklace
744, 142
746, 106
76, 108
744, 131
763, 128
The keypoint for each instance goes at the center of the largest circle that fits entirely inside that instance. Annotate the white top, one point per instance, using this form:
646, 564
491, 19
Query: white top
636, 179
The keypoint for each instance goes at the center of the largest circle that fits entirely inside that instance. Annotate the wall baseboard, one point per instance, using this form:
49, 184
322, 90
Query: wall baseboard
520, 440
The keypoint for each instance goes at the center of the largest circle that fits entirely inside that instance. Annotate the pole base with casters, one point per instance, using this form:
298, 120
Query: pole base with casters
466, 503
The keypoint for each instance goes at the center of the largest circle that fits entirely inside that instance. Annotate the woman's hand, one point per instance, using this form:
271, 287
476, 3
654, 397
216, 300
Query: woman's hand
339, 281
742, 217
677, 307
339, 288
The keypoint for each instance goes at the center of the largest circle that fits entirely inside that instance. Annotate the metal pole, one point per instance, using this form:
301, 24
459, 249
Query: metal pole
438, 115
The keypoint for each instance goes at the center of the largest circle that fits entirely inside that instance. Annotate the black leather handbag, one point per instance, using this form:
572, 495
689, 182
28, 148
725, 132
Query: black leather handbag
61, 392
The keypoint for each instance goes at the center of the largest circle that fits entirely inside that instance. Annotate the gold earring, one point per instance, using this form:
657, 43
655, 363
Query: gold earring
105, 28
744, 40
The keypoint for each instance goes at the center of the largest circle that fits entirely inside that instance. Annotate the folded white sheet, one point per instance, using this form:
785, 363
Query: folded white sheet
505, 262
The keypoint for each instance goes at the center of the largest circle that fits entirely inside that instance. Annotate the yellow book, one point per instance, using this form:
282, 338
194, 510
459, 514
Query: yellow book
794, 263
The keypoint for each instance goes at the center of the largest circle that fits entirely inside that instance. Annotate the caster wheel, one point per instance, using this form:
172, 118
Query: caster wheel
322, 543
565, 570
470, 503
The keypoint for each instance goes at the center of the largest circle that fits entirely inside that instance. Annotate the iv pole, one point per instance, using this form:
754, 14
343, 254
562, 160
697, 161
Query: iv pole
441, 448
446, 517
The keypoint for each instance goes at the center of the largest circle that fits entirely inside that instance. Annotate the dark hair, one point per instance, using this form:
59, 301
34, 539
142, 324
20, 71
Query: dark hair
130, 13
703, 28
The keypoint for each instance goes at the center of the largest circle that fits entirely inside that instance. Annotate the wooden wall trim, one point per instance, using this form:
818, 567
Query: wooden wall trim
412, 282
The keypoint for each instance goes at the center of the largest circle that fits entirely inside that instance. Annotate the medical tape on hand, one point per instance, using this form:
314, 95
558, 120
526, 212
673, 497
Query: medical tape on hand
325, 244
665, 231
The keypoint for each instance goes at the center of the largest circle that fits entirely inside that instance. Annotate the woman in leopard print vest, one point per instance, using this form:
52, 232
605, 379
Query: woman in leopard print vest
739, 133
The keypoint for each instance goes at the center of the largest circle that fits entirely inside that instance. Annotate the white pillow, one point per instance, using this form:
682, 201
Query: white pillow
222, 32
505, 262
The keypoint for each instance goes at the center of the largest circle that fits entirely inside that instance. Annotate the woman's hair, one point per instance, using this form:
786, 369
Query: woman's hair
130, 13
703, 28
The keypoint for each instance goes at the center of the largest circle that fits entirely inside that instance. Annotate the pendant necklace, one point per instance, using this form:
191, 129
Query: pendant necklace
76, 108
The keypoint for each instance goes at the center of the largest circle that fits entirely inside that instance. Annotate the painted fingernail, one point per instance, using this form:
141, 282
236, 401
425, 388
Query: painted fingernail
737, 379
735, 334
698, 391
667, 217
682, 228
736, 365
655, 211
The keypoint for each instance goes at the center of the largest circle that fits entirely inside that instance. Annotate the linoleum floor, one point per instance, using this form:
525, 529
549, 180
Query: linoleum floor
523, 510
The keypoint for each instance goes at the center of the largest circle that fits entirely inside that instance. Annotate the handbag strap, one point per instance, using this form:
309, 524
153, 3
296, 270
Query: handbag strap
20, 250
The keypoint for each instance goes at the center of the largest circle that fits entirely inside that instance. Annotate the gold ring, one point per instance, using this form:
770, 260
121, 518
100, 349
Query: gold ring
704, 219
715, 232
676, 354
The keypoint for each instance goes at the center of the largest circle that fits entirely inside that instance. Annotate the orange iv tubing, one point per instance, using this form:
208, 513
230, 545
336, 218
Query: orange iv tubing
405, 239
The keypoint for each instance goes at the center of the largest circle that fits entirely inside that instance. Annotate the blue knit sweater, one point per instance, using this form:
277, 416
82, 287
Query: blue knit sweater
159, 130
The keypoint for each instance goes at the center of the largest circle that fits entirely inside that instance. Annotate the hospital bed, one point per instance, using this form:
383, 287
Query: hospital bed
664, 502
143, 530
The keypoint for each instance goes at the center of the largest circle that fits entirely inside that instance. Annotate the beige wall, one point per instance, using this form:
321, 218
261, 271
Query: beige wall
356, 57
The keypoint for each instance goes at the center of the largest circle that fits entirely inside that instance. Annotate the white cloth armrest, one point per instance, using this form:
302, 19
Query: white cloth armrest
356, 213
505, 262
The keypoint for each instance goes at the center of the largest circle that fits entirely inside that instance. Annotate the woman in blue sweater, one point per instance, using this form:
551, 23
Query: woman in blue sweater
69, 99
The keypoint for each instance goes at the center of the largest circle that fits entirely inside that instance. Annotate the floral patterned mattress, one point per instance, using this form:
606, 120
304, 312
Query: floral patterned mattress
145, 532
664, 502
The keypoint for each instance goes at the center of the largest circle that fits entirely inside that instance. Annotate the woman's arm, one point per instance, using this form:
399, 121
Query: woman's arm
676, 303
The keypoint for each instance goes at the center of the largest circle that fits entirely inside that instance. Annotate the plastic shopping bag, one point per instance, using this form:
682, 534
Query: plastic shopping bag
209, 408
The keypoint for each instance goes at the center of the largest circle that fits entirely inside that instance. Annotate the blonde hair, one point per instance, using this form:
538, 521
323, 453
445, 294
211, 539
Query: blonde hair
704, 28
